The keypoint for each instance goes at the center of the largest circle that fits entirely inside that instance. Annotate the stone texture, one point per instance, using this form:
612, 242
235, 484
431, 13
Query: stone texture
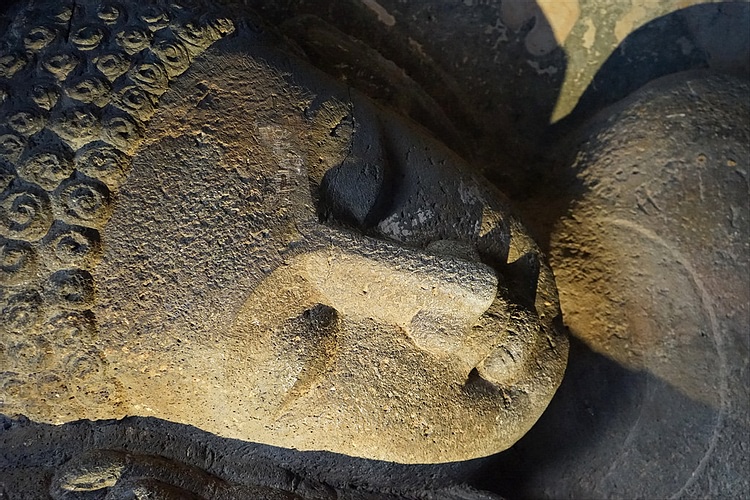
665, 39
613, 34
202, 230
137, 457
459, 91
653, 261
485, 78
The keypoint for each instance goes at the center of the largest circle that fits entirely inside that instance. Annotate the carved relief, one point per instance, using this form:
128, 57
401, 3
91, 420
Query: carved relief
64, 152
331, 271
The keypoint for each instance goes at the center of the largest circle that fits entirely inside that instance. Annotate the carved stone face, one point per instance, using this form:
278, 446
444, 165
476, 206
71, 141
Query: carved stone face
255, 251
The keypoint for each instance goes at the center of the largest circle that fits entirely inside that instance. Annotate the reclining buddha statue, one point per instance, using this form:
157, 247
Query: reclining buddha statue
198, 227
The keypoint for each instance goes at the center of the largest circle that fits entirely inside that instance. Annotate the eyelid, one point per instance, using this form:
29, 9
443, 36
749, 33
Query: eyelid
356, 190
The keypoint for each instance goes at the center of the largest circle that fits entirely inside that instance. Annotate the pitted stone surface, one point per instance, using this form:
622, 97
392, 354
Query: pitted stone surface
473, 91
653, 262
150, 458
208, 232
66, 149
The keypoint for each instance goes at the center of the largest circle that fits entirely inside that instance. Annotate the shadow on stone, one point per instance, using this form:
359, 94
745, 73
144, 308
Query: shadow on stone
483, 77
608, 431
41, 455
713, 36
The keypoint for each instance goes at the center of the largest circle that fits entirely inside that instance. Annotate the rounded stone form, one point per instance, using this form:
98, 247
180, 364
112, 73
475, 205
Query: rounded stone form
18, 262
24, 212
255, 250
652, 263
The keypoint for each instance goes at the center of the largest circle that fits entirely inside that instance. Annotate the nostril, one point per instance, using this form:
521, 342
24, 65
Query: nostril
478, 385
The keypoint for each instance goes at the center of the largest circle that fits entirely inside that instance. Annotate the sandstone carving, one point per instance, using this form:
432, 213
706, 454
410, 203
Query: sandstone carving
127, 475
666, 201
225, 275
198, 228
653, 262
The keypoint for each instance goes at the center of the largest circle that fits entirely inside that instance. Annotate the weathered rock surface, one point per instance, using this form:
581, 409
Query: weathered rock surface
137, 457
196, 228
637, 414
653, 265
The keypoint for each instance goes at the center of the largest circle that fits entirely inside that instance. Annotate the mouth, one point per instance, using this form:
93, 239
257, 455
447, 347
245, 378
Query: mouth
448, 302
